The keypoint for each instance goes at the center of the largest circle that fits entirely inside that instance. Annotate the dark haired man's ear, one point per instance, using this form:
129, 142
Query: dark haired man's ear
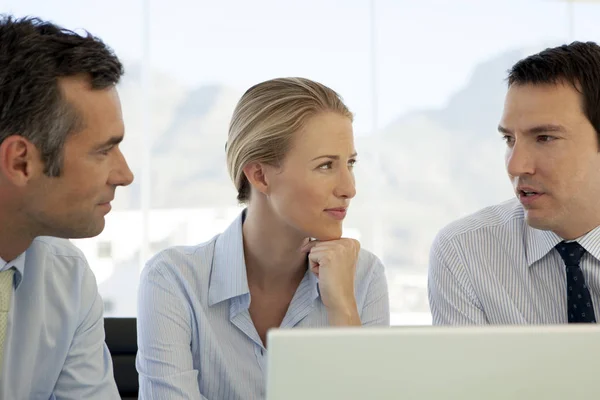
19, 160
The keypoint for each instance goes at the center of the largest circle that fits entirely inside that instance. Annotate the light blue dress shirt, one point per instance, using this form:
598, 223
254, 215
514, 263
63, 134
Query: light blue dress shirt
493, 268
195, 335
55, 347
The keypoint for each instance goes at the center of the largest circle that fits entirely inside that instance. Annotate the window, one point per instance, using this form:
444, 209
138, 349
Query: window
424, 78
104, 250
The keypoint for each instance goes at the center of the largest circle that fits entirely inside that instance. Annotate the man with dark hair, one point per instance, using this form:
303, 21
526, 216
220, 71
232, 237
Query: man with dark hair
60, 127
534, 259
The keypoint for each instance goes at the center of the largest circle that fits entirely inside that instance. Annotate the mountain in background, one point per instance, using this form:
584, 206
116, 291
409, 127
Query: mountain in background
420, 172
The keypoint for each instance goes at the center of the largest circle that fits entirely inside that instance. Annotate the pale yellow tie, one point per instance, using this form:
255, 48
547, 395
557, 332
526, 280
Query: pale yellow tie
6, 289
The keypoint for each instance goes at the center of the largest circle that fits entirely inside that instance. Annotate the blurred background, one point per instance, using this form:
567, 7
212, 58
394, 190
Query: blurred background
425, 79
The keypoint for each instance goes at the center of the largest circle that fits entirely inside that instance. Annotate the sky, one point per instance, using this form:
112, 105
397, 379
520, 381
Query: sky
385, 57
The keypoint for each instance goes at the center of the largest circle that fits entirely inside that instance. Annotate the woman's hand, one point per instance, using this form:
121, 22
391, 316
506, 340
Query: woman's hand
334, 263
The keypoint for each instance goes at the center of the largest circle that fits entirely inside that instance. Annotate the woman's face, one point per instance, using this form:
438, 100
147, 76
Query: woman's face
312, 189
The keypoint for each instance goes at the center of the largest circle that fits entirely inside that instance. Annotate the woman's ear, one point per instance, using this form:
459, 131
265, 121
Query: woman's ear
256, 175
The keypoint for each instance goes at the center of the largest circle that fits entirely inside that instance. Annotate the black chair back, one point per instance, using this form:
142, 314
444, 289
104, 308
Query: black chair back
121, 339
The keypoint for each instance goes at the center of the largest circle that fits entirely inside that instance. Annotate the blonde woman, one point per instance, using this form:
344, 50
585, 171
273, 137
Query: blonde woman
204, 311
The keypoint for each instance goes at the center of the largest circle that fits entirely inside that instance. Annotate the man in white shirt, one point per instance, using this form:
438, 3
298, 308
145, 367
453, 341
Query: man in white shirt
60, 127
534, 259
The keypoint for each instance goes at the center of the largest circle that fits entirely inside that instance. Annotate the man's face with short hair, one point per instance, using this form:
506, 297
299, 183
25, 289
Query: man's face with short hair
73, 205
552, 158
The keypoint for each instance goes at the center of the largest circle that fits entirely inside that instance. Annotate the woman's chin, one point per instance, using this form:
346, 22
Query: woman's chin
326, 234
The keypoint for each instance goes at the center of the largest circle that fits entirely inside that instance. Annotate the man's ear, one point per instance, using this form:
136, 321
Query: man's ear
19, 160
256, 173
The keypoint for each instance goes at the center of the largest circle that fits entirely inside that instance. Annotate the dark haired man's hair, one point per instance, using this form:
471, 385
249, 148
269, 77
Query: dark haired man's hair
34, 55
577, 64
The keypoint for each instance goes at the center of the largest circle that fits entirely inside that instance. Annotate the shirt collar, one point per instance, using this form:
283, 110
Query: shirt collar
228, 277
538, 243
228, 274
19, 265
313, 283
591, 242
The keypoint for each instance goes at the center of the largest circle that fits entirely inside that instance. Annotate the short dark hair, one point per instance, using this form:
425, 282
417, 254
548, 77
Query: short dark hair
577, 63
34, 55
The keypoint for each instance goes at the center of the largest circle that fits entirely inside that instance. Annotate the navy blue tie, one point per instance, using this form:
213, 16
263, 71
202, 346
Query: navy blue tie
579, 301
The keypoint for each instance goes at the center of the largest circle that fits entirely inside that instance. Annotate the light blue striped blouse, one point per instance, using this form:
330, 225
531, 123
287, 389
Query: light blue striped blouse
195, 335
493, 268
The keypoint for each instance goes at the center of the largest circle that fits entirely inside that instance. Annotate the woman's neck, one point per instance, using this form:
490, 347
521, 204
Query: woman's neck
272, 250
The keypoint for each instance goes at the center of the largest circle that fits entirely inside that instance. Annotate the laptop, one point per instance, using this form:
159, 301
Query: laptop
466, 363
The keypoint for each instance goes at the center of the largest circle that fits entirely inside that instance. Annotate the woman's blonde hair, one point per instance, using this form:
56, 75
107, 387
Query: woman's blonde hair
266, 118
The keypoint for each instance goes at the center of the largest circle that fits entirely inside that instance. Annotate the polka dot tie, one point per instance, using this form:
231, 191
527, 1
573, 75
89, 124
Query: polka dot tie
579, 301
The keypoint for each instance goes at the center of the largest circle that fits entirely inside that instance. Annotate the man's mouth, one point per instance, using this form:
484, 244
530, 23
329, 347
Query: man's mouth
527, 193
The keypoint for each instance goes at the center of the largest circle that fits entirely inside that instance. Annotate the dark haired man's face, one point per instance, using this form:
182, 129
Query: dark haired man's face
552, 158
74, 204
